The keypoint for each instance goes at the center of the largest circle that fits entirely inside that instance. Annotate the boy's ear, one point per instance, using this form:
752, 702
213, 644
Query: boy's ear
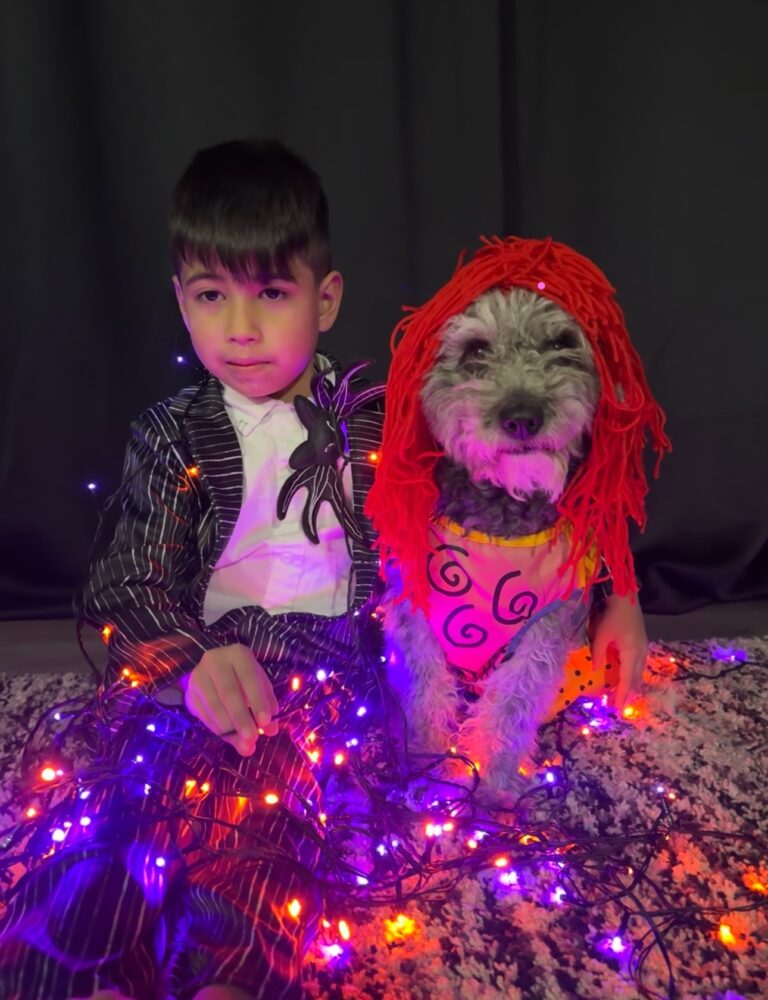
330, 291
180, 299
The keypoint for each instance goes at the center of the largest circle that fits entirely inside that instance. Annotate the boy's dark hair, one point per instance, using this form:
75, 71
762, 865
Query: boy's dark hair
252, 206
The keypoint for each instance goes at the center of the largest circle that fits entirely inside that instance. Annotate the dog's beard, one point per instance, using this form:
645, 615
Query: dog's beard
522, 473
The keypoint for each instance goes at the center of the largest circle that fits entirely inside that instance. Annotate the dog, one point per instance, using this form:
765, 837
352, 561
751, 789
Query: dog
510, 398
517, 411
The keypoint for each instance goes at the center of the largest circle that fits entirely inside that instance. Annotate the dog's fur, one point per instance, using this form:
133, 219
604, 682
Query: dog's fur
510, 398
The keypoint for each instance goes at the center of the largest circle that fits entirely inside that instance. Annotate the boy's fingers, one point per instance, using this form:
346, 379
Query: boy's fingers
199, 709
218, 717
244, 747
233, 699
258, 691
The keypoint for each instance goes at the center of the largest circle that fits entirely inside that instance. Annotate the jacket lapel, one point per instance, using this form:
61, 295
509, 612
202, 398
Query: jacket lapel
216, 451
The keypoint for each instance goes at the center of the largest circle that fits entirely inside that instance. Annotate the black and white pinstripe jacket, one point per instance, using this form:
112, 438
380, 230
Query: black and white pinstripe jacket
181, 496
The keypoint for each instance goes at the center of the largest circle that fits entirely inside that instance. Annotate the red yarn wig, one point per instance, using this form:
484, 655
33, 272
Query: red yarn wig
609, 486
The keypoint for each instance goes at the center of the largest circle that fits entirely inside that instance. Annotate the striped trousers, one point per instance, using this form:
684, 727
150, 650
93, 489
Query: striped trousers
183, 875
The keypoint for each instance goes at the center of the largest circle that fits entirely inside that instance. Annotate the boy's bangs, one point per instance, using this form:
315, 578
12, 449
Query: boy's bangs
256, 259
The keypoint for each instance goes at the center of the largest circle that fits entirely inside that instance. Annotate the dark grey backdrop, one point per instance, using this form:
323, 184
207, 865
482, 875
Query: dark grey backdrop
635, 132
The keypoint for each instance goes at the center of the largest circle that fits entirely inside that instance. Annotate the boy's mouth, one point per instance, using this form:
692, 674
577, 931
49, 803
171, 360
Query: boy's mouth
247, 364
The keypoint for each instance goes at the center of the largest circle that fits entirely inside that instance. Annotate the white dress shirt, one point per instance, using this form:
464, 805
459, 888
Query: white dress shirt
268, 562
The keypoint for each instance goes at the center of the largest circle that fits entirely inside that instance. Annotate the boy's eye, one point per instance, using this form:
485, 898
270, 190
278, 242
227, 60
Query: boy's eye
210, 295
273, 294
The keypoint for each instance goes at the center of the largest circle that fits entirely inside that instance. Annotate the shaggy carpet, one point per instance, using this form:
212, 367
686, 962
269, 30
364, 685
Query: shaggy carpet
695, 752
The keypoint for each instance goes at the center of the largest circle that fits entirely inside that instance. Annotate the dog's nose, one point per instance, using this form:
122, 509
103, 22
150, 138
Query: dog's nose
522, 420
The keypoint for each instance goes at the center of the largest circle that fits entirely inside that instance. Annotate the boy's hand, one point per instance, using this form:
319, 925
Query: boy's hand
621, 625
229, 690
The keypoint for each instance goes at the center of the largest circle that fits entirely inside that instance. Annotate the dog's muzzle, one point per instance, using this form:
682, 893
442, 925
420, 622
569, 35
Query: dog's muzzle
522, 419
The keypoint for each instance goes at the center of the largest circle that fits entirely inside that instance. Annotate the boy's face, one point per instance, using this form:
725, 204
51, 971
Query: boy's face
258, 337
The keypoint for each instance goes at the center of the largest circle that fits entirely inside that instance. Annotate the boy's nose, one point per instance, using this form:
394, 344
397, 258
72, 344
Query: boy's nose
238, 335
243, 325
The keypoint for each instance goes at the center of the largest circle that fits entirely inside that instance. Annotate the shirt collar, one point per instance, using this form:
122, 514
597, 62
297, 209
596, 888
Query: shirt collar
247, 414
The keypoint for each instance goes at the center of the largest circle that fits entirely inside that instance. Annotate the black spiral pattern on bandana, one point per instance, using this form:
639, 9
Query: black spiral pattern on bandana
454, 581
469, 635
520, 606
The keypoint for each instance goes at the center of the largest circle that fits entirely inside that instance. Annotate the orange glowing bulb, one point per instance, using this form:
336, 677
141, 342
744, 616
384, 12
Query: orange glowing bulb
501, 862
752, 882
323, 817
344, 930
726, 935
399, 928
326, 923
126, 672
106, 632
629, 712
295, 683
294, 908
585, 730
373, 457
338, 758
529, 838
271, 799
31, 812
205, 787
472, 843
193, 471
48, 774
314, 756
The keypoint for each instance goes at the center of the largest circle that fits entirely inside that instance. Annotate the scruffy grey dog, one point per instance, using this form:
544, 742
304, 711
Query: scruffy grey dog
510, 398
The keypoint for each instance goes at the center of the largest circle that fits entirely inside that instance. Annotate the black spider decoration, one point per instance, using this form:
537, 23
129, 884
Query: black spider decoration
316, 460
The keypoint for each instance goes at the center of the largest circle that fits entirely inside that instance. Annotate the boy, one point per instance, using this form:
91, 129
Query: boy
207, 596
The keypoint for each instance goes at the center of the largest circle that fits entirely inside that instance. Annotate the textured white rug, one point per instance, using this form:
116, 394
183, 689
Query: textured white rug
705, 741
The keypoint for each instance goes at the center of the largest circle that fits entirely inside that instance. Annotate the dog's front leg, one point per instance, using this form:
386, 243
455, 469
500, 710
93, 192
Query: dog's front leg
500, 730
418, 673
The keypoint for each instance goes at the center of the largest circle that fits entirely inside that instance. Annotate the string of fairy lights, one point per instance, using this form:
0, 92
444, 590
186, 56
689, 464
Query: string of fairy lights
396, 827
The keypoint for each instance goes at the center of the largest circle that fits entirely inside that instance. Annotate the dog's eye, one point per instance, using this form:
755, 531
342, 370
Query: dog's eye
475, 350
565, 341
